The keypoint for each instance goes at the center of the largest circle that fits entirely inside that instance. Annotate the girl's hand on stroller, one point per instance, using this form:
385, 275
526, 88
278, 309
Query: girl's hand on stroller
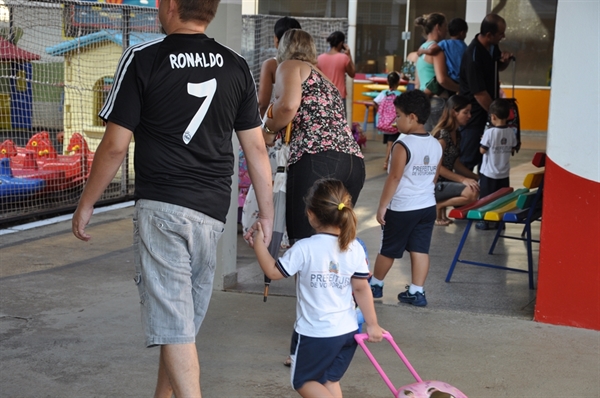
375, 333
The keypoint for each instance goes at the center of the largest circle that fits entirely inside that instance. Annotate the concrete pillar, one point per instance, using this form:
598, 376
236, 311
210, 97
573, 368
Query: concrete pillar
475, 12
351, 41
568, 275
226, 28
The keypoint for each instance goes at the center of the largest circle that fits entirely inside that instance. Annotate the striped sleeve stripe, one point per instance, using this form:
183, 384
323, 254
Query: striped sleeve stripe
120, 73
361, 275
281, 269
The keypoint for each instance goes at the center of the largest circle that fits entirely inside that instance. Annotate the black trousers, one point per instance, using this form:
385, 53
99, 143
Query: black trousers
301, 176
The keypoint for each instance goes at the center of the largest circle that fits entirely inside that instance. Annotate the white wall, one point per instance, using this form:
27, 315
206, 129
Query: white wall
475, 12
573, 127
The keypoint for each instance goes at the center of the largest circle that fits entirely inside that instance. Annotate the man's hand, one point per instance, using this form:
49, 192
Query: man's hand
506, 56
80, 220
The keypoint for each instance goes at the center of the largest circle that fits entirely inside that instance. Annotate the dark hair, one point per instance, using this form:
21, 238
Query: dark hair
430, 21
204, 10
336, 38
501, 108
490, 24
415, 101
284, 24
329, 200
447, 120
393, 79
456, 26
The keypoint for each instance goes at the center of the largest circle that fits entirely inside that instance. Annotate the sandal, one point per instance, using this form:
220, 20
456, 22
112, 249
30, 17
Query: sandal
449, 221
442, 223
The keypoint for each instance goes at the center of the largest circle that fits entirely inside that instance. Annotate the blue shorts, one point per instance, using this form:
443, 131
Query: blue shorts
175, 259
321, 359
407, 230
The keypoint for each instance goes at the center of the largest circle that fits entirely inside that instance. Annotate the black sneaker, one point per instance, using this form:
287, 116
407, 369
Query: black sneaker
377, 291
417, 299
482, 225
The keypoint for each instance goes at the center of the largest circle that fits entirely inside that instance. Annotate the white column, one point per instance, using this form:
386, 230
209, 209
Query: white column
351, 41
573, 130
475, 12
226, 28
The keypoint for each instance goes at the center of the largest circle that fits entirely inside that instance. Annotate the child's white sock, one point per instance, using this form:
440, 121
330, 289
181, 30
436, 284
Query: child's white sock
412, 289
375, 281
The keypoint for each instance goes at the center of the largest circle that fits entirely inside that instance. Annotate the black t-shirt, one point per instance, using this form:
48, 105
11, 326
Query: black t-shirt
183, 96
477, 74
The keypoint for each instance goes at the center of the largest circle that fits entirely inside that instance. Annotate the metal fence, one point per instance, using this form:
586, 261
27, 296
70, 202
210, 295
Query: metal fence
57, 60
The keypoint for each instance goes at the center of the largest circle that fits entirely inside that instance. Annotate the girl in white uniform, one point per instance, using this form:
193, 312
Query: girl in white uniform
330, 267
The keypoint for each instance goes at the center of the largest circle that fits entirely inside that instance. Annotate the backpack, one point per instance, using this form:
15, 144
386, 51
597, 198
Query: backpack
386, 114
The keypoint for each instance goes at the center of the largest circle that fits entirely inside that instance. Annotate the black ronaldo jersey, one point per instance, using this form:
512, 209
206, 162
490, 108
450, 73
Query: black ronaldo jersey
183, 96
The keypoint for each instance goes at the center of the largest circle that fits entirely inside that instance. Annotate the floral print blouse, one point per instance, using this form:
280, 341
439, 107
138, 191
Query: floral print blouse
320, 124
451, 153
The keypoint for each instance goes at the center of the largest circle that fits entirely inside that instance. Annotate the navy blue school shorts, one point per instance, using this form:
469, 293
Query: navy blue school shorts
407, 231
320, 359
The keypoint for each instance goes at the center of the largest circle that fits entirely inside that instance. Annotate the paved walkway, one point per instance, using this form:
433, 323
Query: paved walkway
69, 320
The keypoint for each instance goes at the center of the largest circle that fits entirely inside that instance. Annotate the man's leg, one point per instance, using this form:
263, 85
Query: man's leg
469, 148
178, 372
163, 384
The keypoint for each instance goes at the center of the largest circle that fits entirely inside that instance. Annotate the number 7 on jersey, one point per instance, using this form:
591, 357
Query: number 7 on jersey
205, 89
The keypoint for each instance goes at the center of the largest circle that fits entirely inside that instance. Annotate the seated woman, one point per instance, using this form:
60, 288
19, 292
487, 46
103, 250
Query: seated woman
457, 185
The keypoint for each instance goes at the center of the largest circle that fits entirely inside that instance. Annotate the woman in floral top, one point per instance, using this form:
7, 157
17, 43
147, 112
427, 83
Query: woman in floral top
322, 144
456, 185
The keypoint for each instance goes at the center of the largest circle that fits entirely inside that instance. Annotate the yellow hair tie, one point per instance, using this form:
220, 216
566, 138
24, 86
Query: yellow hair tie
341, 206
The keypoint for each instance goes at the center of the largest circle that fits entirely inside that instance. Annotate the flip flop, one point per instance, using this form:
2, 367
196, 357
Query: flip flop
442, 223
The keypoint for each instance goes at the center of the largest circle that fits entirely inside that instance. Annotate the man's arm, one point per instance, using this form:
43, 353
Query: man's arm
504, 61
484, 99
107, 160
259, 169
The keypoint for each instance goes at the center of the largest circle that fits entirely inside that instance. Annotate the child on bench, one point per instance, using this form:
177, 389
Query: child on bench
497, 145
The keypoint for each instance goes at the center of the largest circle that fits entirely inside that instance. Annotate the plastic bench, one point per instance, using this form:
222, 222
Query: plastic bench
522, 206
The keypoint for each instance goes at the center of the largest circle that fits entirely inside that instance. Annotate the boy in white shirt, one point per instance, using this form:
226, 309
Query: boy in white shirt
407, 209
497, 145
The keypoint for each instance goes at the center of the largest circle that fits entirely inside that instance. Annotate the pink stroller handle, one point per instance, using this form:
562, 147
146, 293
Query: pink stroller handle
362, 337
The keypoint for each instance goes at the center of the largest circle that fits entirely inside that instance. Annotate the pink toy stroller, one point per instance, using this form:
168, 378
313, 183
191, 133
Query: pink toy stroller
420, 389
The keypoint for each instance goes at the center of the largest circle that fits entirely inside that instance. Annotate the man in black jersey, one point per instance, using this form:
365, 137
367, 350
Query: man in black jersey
479, 68
181, 97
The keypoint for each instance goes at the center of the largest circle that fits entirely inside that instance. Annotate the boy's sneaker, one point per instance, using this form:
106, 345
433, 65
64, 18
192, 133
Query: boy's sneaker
417, 299
482, 225
377, 291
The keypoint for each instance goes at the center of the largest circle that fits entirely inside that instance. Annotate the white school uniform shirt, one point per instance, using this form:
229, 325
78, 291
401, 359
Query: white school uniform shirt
324, 306
499, 142
416, 189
